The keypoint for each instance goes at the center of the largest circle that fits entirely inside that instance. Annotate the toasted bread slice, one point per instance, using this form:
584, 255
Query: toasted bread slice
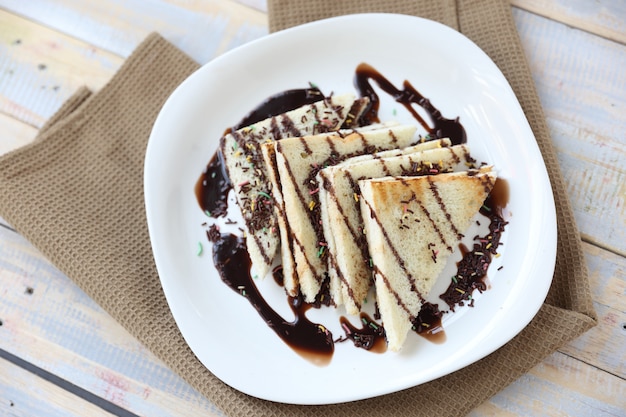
349, 266
290, 279
248, 174
298, 161
412, 226
335, 286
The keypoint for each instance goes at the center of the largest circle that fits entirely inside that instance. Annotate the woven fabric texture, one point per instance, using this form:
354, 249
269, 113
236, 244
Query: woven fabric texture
76, 193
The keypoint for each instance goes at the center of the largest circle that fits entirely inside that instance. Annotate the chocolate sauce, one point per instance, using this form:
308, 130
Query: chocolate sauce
278, 275
280, 103
472, 268
428, 323
407, 96
370, 337
312, 341
212, 187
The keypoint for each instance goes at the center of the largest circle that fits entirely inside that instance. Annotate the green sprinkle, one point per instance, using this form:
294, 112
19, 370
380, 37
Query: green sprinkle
264, 194
373, 326
320, 251
207, 212
365, 300
486, 208
364, 320
212, 174
371, 262
199, 249
454, 279
235, 145
394, 112
255, 276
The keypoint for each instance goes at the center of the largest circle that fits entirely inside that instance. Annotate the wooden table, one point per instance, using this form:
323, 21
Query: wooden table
62, 355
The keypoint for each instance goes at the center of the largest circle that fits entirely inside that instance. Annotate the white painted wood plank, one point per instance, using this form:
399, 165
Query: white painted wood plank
581, 82
605, 345
606, 18
197, 28
23, 394
560, 386
41, 68
48, 321
14, 133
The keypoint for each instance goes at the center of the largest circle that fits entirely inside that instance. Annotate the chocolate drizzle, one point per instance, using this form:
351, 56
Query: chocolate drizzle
212, 188
280, 103
369, 337
312, 341
428, 323
442, 127
472, 268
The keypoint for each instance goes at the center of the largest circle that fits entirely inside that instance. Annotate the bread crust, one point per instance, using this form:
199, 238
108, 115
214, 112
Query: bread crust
412, 225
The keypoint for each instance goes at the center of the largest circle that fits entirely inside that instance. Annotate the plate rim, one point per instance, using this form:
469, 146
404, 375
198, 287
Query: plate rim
303, 28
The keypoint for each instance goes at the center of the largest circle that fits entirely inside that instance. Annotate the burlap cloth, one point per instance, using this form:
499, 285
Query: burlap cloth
76, 193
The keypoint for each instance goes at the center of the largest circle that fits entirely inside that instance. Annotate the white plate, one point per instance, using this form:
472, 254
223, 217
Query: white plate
221, 327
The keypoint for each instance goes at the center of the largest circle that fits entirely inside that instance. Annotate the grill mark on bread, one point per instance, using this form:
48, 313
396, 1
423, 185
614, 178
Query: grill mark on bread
333, 195
263, 251
297, 242
290, 127
241, 141
342, 278
280, 212
307, 150
455, 157
466, 155
394, 251
395, 294
394, 139
486, 183
442, 206
429, 217
302, 201
276, 133
331, 145
355, 233
292, 178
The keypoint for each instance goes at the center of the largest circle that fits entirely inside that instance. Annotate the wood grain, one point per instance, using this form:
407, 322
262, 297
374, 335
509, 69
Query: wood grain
49, 322
15, 134
48, 48
584, 101
42, 68
202, 29
559, 386
606, 18
23, 394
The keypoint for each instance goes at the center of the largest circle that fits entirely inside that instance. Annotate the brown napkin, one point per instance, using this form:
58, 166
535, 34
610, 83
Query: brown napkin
76, 193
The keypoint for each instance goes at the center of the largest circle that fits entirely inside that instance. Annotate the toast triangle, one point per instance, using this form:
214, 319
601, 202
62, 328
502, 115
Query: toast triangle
290, 279
412, 226
349, 262
248, 174
298, 162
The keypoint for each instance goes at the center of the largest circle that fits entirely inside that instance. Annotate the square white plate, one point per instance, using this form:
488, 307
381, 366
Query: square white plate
221, 327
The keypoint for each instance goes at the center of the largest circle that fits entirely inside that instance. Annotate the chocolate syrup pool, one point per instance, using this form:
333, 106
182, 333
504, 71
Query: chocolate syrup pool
314, 341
